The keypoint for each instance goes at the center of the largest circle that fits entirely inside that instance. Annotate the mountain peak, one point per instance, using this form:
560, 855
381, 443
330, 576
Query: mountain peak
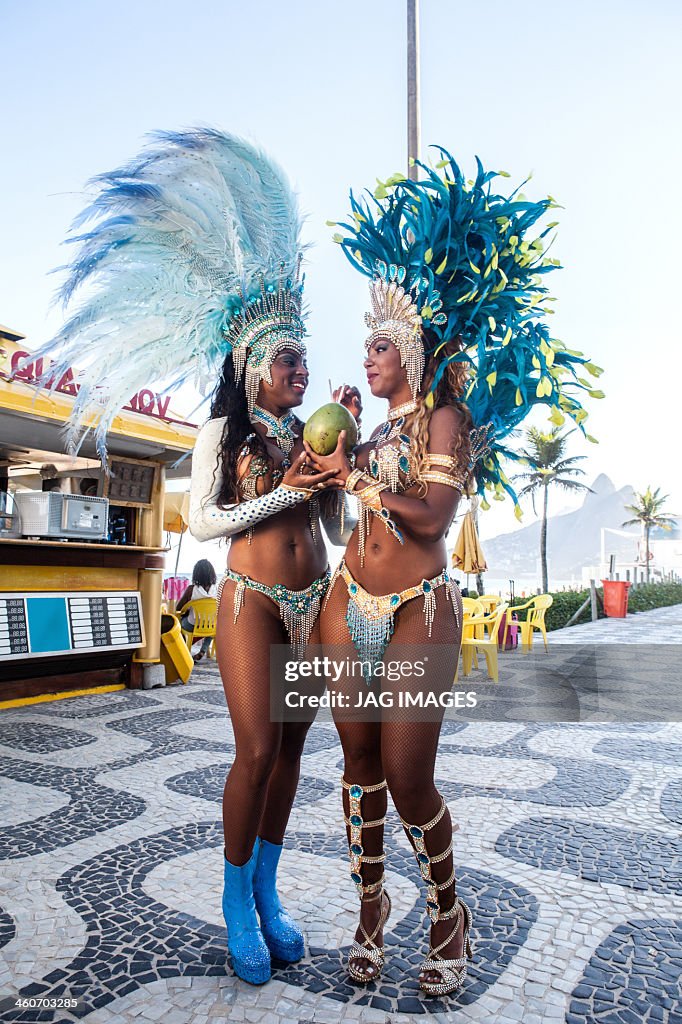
573, 538
601, 487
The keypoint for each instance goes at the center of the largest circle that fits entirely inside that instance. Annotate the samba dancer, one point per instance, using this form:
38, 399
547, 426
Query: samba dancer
249, 483
456, 292
193, 254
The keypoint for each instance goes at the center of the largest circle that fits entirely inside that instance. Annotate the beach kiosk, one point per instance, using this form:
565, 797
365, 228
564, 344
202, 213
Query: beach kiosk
81, 550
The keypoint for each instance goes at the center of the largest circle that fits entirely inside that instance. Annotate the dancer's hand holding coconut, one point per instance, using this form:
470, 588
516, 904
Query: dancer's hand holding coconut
329, 437
337, 463
301, 474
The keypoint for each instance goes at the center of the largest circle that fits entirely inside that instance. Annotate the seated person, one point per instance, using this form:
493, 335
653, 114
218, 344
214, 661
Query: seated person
203, 585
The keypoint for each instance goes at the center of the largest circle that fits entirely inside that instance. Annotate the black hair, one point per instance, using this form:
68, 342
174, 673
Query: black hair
203, 574
229, 400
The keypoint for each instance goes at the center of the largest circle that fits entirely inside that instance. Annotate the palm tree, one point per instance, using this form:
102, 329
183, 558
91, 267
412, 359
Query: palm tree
548, 465
648, 510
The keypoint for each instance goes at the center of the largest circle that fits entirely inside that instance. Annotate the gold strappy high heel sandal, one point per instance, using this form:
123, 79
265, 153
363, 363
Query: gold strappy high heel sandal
452, 972
368, 950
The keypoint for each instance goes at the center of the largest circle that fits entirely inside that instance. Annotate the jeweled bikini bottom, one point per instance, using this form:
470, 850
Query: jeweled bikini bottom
371, 617
298, 609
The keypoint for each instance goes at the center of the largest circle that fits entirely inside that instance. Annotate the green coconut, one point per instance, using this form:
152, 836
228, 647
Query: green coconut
324, 426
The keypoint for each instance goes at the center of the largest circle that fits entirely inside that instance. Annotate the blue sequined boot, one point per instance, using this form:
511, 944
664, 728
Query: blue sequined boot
280, 931
250, 955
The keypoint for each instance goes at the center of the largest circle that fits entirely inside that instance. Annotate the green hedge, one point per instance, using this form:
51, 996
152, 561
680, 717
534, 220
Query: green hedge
566, 604
654, 595
641, 598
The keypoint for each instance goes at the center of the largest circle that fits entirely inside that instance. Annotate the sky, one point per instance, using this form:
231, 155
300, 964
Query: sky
585, 95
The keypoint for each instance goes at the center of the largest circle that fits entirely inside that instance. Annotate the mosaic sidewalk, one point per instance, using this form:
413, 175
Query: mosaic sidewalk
569, 855
660, 625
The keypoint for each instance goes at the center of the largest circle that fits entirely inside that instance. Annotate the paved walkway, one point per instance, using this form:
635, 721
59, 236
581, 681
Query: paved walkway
569, 854
660, 625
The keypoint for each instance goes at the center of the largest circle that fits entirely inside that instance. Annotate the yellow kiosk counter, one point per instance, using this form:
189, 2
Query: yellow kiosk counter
81, 551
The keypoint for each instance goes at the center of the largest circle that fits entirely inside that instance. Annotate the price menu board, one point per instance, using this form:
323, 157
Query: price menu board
131, 482
38, 625
13, 634
111, 621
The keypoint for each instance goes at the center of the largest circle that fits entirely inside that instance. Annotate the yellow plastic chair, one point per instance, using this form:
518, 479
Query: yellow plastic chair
487, 645
205, 615
176, 657
535, 619
471, 607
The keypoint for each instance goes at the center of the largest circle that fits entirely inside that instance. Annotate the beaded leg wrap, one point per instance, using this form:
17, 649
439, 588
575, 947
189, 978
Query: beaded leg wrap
452, 972
370, 892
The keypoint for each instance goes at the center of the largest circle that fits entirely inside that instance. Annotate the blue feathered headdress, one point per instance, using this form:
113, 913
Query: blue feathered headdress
474, 263
192, 250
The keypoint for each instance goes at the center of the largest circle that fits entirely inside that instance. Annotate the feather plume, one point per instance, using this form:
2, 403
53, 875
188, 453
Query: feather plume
168, 249
475, 265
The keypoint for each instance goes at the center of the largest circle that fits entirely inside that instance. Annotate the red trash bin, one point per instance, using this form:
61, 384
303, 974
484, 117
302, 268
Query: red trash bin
616, 598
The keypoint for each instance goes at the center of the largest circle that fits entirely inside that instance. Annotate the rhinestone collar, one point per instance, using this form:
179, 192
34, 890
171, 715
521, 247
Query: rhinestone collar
278, 429
401, 410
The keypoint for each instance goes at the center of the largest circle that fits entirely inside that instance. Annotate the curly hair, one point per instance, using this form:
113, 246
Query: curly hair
448, 392
229, 400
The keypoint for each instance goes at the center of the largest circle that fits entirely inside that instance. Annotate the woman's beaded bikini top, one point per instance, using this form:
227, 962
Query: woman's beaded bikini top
392, 459
260, 466
280, 429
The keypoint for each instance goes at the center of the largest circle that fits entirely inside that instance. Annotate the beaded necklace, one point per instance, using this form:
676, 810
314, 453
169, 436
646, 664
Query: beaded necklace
277, 428
401, 410
389, 461
395, 421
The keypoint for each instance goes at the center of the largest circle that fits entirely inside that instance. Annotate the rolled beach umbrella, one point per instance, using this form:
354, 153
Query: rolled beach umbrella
176, 517
176, 512
467, 554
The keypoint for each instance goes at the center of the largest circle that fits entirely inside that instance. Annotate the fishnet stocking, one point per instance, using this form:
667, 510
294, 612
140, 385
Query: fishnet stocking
261, 784
404, 751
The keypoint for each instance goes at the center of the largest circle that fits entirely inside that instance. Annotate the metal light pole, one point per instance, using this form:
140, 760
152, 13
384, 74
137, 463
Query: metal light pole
413, 120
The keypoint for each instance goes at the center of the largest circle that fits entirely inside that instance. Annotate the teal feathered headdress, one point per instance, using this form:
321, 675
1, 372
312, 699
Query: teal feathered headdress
191, 251
459, 258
